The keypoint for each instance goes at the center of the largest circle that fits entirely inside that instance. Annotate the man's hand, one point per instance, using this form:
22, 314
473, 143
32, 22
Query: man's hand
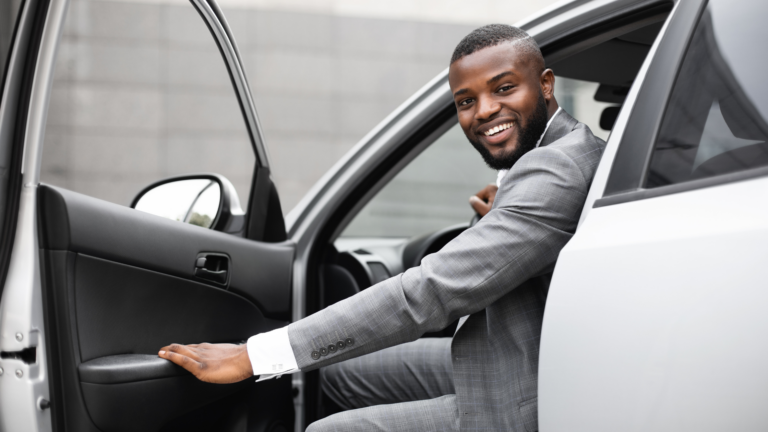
213, 363
483, 200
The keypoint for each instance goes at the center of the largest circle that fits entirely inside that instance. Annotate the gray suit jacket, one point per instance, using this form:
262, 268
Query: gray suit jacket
498, 271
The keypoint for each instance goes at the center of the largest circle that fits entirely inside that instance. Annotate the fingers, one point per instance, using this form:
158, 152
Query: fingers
487, 192
483, 200
181, 360
185, 350
479, 206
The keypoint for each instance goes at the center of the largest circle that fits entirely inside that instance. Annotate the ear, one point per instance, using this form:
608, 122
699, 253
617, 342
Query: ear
547, 81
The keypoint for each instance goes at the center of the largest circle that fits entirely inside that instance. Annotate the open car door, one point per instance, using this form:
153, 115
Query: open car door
92, 290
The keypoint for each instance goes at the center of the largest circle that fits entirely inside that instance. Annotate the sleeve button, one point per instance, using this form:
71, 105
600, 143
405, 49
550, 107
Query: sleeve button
315, 355
331, 348
349, 341
323, 351
341, 345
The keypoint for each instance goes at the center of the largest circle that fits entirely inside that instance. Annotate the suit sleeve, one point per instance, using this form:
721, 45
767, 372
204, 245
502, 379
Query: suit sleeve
534, 215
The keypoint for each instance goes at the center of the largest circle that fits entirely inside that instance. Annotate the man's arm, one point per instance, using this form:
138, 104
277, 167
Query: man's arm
535, 214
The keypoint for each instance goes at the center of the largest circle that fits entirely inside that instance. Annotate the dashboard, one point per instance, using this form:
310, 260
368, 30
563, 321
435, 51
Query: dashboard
372, 260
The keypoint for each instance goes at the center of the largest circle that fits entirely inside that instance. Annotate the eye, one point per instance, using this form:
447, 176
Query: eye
466, 101
505, 87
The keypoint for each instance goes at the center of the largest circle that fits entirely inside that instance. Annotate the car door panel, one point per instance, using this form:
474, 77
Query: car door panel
121, 284
78, 223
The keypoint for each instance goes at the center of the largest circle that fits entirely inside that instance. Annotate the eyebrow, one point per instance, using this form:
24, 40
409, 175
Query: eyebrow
499, 76
460, 92
490, 81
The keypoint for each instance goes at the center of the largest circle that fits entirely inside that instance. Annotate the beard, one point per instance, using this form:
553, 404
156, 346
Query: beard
527, 138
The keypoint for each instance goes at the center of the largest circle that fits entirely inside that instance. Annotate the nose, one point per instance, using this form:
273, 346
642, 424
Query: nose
486, 108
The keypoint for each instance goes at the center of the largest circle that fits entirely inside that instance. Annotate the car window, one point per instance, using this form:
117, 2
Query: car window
141, 93
433, 190
9, 12
715, 121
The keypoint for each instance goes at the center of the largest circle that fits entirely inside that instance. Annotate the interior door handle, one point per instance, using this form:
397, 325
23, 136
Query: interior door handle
213, 267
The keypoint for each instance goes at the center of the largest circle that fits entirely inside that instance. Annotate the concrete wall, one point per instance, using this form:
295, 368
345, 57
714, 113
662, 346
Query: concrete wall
141, 93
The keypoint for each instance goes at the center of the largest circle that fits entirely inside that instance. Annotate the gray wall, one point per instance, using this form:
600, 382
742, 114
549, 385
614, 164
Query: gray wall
140, 93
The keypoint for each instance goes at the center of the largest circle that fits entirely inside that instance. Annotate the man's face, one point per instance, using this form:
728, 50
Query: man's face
501, 100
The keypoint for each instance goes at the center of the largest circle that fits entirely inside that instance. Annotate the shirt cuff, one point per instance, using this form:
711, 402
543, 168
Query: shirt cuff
271, 354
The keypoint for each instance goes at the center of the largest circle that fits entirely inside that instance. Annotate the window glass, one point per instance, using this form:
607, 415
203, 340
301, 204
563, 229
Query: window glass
432, 192
715, 122
9, 12
577, 98
141, 93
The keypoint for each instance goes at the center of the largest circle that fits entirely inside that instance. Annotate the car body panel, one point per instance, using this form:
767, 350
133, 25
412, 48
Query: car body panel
22, 321
654, 316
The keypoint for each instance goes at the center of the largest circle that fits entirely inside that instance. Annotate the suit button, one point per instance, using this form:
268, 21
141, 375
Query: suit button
315, 355
331, 348
349, 341
341, 345
323, 351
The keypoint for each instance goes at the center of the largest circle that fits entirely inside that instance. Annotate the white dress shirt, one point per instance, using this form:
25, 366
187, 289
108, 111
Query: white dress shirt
271, 353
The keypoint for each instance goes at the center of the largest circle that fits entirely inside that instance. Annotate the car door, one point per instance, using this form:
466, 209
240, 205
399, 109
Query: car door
602, 43
94, 289
655, 318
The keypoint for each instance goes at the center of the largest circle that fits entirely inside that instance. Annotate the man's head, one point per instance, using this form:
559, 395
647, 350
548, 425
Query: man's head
503, 93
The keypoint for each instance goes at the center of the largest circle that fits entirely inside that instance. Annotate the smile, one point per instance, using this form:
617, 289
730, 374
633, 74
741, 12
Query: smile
498, 129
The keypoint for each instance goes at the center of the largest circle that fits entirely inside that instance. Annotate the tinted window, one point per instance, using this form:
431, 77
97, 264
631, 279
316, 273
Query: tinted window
715, 121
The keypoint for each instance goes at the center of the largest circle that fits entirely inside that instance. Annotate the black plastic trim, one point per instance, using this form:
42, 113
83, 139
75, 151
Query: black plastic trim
605, 28
637, 142
641, 194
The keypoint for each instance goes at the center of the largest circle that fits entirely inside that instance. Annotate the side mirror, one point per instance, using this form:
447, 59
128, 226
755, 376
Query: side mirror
206, 200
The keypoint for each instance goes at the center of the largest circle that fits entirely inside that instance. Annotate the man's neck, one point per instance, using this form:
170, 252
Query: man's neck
552, 107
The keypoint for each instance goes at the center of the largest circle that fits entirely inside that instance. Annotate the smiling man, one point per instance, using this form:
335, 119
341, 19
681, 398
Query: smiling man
494, 275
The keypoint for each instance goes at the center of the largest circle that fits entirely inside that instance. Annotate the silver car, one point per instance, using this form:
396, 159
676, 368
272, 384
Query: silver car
654, 318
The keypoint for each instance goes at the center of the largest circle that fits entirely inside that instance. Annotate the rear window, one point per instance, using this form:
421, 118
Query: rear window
715, 122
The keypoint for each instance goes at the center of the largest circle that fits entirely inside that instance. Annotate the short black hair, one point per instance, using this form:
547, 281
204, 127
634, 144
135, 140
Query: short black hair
495, 34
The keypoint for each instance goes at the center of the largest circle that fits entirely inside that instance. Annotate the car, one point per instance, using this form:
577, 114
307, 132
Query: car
653, 318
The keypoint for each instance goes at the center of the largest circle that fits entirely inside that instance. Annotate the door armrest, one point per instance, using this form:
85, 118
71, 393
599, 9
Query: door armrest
127, 368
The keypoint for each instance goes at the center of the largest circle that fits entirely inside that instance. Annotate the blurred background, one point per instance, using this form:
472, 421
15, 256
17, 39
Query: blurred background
141, 92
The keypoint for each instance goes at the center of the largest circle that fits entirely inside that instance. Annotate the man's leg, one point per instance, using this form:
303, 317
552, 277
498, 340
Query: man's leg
414, 371
434, 415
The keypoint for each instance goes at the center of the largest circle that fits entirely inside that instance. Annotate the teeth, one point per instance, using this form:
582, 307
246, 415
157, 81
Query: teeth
498, 129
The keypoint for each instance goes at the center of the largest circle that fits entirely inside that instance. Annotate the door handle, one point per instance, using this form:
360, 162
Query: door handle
213, 267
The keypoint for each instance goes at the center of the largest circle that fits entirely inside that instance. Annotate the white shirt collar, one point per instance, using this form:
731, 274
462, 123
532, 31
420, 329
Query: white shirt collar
503, 172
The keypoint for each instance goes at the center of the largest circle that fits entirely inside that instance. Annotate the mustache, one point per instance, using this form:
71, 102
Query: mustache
527, 138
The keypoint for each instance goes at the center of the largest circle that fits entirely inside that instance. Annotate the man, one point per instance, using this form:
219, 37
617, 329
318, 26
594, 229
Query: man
495, 275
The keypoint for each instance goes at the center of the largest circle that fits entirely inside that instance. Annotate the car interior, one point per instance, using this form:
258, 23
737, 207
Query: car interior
112, 301
347, 265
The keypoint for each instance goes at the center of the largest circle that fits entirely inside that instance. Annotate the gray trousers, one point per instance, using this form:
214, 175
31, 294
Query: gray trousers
408, 387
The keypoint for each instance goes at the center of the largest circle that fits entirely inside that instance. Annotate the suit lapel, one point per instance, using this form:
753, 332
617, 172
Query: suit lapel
562, 125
